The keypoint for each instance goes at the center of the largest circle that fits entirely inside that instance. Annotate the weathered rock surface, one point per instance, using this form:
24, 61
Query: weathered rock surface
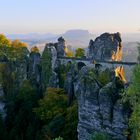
33, 67
20, 70
106, 47
54, 81
69, 82
53, 52
100, 108
60, 47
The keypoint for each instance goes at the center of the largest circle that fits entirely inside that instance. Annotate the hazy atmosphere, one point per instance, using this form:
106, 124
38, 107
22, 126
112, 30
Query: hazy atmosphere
57, 16
70, 70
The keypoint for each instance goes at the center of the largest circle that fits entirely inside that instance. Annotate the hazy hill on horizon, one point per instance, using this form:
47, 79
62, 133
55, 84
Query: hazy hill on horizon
75, 37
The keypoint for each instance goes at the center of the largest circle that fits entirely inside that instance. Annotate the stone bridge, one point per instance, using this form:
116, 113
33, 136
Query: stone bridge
128, 66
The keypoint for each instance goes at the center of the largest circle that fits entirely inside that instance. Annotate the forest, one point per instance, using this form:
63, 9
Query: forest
34, 110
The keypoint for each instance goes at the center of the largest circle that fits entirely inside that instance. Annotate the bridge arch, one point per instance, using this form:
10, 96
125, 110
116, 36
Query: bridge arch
80, 65
69, 62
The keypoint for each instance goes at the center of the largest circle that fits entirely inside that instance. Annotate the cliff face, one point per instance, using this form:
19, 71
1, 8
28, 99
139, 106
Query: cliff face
99, 107
106, 47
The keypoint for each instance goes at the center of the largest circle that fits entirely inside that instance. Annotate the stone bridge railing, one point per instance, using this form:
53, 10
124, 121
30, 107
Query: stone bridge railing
97, 61
128, 66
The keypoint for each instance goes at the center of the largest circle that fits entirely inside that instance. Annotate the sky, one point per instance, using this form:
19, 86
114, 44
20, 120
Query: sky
57, 16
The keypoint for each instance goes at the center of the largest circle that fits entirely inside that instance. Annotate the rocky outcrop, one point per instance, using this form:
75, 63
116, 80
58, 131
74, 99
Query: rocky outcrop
60, 47
100, 106
19, 68
51, 50
53, 53
33, 67
106, 47
69, 82
54, 81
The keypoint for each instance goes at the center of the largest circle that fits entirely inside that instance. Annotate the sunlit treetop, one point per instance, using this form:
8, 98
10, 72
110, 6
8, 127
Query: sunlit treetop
34, 49
80, 52
4, 40
17, 43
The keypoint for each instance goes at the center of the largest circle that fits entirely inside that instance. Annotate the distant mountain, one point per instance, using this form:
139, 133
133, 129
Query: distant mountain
78, 38
30, 36
75, 38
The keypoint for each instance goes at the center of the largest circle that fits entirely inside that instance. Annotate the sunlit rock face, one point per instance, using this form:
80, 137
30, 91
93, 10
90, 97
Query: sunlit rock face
99, 106
106, 47
119, 72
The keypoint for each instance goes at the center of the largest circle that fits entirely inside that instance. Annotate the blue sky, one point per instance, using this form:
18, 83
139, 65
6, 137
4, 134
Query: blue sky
56, 16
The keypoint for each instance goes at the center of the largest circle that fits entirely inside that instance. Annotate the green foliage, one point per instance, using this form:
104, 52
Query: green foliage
27, 116
59, 138
69, 54
62, 73
17, 43
15, 50
71, 122
104, 77
7, 79
4, 40
20, 118
54, 103
54, 128
34, 49
51, 110
80, 53
100, 136
59, 120
132, 96
138, 52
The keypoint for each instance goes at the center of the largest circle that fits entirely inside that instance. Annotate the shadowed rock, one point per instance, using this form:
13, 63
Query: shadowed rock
100, 108
106, 47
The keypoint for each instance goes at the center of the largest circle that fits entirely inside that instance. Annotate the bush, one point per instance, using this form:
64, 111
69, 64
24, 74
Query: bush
100, 136
59, 138
132, 96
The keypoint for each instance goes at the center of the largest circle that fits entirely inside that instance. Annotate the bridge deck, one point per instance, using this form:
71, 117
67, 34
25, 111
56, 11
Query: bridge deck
100, 61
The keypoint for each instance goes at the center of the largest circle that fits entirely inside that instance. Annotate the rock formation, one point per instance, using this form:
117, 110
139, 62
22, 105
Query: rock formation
106, 47
60, 47
99, 106
69, 82
33, 68
53, 80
